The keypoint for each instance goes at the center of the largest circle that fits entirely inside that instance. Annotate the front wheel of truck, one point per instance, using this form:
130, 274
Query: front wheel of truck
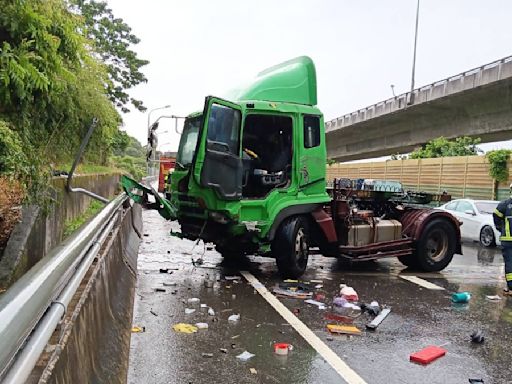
290, 247
228, 253
436, 246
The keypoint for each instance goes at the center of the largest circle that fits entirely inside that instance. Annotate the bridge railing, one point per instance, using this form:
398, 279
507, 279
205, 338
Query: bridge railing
472, 78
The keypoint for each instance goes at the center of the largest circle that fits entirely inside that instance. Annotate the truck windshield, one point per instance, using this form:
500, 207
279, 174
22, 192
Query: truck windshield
188, 142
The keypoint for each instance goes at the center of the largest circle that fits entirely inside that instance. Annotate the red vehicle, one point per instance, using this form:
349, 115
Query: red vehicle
166, 164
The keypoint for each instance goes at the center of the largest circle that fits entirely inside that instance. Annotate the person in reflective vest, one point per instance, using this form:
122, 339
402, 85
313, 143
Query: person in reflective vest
502, 216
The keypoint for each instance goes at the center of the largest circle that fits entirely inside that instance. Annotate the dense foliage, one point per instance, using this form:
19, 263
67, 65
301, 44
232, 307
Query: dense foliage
54, 80
129, 155
498, 161
442, 147
112, 39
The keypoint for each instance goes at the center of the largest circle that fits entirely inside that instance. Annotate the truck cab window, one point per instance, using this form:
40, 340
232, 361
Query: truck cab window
266, 153
223, 129
311, 131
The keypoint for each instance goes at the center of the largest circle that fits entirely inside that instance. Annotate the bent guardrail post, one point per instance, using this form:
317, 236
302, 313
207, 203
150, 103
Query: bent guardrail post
85, 141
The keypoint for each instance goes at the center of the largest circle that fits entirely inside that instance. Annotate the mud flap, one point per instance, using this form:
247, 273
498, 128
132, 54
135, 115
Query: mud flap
139, 194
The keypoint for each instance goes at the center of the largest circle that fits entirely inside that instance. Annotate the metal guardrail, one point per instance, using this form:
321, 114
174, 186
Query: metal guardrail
487, 73
33, 306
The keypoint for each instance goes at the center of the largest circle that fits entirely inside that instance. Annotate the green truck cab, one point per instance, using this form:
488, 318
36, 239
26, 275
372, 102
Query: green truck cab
253, 163
250, 177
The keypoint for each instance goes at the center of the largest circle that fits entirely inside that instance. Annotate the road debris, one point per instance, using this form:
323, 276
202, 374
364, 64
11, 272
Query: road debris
193, 300
165, 270
339, 318
153, 313
343, 329
372, 309
477, 337
348, 293
207, 354
317, 303
159, 290
427, 354
235, 337
184, 328
461, 297
201, 325
244, 356
211, 312
137, 329
234, 318
493, 297
253, 371
188, 311
299, 294
232, 278
342, 307
282, 349
379, 319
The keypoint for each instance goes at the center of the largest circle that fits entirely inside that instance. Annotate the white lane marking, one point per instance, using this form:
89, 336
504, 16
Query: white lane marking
349, 375
421, 282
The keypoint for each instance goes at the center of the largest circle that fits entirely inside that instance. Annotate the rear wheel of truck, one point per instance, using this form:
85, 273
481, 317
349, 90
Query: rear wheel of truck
291, 247
436, 247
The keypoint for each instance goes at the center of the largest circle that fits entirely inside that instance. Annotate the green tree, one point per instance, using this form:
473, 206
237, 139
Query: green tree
498, 164
120, 142
51, 87
442, 147
113, 39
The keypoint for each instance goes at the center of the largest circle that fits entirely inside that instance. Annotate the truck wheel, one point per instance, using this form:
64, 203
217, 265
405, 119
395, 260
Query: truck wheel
291, 247
436, 247
228, 253
487, 238
409, 261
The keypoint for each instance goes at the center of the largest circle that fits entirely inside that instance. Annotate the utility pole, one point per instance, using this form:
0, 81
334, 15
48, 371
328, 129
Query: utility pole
411, 98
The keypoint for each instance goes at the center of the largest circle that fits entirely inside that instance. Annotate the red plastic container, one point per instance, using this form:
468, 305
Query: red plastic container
428, 354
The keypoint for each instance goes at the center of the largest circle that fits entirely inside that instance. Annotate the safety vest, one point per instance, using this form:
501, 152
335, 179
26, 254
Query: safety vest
503, 214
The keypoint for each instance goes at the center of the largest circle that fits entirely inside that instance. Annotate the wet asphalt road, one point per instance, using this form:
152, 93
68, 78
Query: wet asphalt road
419, 317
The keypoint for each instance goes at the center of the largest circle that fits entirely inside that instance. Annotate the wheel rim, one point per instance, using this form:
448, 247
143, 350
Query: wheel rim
437, 244
301, 247
486, 236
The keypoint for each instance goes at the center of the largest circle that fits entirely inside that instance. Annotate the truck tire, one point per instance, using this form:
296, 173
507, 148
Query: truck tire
229, 253
409, 261
487, 238
436, 246
291, 247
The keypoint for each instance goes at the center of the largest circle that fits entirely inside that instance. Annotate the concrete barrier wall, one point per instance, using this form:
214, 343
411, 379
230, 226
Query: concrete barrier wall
93, 343
464, 176
37, 232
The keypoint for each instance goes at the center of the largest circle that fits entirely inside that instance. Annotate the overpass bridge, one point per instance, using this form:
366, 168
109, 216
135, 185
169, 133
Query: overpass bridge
475, 103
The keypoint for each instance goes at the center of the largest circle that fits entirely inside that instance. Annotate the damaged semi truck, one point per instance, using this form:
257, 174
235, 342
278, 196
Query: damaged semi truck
250, 177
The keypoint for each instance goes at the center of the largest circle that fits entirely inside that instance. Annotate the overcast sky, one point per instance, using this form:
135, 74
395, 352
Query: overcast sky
199, 48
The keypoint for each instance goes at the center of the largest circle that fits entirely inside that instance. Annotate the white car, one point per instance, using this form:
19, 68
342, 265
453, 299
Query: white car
476, 218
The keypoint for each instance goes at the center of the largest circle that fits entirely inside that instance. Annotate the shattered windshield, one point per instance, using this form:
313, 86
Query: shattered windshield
188, 142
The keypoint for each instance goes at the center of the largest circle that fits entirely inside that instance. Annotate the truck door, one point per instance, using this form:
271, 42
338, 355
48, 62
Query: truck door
312, 160
222, 167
